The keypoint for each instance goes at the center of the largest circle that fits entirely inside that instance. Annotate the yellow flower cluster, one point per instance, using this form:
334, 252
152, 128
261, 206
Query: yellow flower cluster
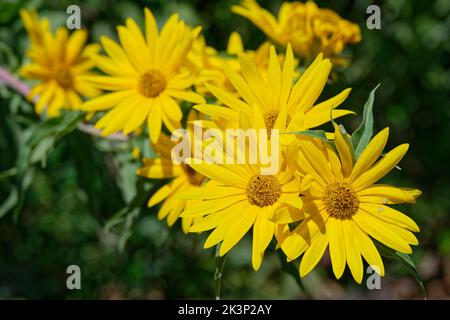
58, 61
322, 195
309, 29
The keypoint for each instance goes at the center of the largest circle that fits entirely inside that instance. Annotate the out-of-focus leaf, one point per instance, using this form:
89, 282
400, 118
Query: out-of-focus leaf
41, 150
405, 260
128, 214
8, 173
9, 203
361, 137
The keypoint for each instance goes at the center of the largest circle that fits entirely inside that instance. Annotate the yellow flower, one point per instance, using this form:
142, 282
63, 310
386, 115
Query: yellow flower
239, 197
281, 103
145, 76
345, 209
184, 178
309, 29
209, 64
57, 62
36, 28
236, 199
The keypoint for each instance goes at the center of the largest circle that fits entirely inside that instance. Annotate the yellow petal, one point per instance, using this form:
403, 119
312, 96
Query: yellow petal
383, 194
186, 95
235, 43
379, 230
287, 74
368, 250
164, 192
159, 169
313, 254
345, 153
238, 230
391, 215
139, 115
352, 252
214, 192
133, 48
263, 231
209, 206
337, 246
154, 121
228, 99
255, 81
117, 54
370, 154
301, 237
381, 168
209, 222
221, 174
217, 111
75, 45
287, 214
151, 30
232, 213
315, 119
274, 76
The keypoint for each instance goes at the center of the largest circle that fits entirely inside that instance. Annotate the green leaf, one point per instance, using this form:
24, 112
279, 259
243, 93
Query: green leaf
361, 137
405, 260
8, 173
127, 215
290, 268
42, 149
9, 203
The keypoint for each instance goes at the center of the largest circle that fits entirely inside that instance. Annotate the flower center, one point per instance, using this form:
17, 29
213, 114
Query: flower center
340, 200
270, 118
152, 83
64, 77
263, 190
193, 176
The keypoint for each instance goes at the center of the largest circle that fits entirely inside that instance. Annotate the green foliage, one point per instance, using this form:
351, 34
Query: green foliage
79, 204
361, 136
405, 260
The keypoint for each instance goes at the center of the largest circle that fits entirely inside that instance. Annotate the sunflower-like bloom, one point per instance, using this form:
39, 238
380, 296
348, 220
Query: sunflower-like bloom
183, 178
345, 208
58, 62
238, 197
309, 29
146, 77
281, 103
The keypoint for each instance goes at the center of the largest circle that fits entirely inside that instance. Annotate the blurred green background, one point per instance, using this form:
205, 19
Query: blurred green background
54, 212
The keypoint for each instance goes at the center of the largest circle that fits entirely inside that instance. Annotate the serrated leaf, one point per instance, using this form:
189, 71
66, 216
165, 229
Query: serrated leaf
361, 137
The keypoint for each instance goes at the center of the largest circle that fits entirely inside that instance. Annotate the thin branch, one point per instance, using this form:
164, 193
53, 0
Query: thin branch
13, 82
10, 81
90, 129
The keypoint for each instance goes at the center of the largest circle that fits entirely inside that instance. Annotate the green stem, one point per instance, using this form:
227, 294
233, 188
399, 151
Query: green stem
220, 263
